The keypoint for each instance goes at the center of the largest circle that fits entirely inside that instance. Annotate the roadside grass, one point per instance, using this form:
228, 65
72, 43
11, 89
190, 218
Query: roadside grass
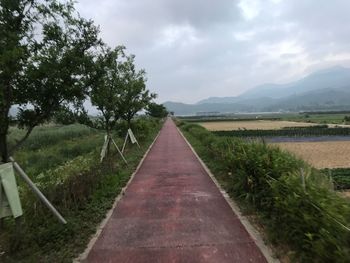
82, 189
306, 223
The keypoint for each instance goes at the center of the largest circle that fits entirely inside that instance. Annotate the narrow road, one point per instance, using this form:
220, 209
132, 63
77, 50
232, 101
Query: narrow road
173, 212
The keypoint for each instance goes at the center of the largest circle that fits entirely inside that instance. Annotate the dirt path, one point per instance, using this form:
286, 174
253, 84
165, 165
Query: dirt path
173, 212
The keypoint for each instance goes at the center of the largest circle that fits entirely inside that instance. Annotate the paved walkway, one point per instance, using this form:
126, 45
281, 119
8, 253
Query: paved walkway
173, 212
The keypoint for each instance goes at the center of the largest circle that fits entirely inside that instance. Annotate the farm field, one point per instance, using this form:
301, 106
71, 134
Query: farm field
252, 125
331, 154
334, 118
323, 147
303, 117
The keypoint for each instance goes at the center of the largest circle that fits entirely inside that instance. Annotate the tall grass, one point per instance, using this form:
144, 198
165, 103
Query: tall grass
47, 135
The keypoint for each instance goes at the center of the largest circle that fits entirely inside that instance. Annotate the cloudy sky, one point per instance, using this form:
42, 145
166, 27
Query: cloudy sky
194, 49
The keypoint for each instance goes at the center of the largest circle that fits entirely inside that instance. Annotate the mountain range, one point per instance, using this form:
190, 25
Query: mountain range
327, 89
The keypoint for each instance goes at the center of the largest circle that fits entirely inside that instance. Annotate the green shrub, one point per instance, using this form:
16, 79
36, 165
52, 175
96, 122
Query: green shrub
140, 126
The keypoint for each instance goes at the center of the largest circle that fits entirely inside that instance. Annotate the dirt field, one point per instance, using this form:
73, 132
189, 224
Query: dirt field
252, 125
257, 125
334, 154
345, 194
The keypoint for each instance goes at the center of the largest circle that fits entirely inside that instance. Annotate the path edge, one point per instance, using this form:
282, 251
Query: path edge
252, 231
83, 256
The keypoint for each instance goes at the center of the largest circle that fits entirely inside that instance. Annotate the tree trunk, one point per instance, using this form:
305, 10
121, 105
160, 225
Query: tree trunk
108, 131
129, 123
3, 147
6, 94
4, 120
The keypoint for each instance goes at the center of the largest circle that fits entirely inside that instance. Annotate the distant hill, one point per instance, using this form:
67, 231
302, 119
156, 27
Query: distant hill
335, 77
314, 100
325, 89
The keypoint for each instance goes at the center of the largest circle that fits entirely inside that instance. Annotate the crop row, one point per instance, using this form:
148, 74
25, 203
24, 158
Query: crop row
340, 176
288, 132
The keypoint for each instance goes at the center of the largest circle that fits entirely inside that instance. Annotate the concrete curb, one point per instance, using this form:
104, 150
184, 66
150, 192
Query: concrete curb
253, 232
83, 256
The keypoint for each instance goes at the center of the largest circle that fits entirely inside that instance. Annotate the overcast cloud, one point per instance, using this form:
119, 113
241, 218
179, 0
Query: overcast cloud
193, 49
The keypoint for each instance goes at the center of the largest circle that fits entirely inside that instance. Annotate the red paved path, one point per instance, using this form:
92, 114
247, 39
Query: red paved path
173, 212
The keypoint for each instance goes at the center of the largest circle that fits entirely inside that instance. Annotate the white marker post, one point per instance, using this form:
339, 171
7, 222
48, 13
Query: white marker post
105, 148
132, 137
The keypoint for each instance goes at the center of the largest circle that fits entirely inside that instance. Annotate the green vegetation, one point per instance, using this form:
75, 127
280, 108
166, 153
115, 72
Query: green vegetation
65, 166
341, 177
309, 219
51, 146
44, 64
51, 61
288, 132
156, 110
322, 118
49, 134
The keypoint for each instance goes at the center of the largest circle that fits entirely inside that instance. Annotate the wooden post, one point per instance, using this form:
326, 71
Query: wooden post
125, 141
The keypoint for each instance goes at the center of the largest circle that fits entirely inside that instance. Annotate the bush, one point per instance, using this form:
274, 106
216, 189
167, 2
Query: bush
141, 127
310, 220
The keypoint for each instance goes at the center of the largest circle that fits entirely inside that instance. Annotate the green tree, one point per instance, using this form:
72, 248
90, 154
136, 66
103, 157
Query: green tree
41, 72
346, 119
156, 110
107, 84
134, 96
69, 115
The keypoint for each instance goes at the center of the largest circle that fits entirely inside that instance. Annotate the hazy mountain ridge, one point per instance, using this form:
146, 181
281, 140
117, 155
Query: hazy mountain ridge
325, 89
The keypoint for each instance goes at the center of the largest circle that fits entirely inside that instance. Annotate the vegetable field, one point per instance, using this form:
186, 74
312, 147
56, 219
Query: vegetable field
312, 131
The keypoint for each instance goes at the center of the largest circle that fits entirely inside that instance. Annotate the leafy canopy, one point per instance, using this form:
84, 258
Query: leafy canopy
156, 110
107, 84
46, 52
